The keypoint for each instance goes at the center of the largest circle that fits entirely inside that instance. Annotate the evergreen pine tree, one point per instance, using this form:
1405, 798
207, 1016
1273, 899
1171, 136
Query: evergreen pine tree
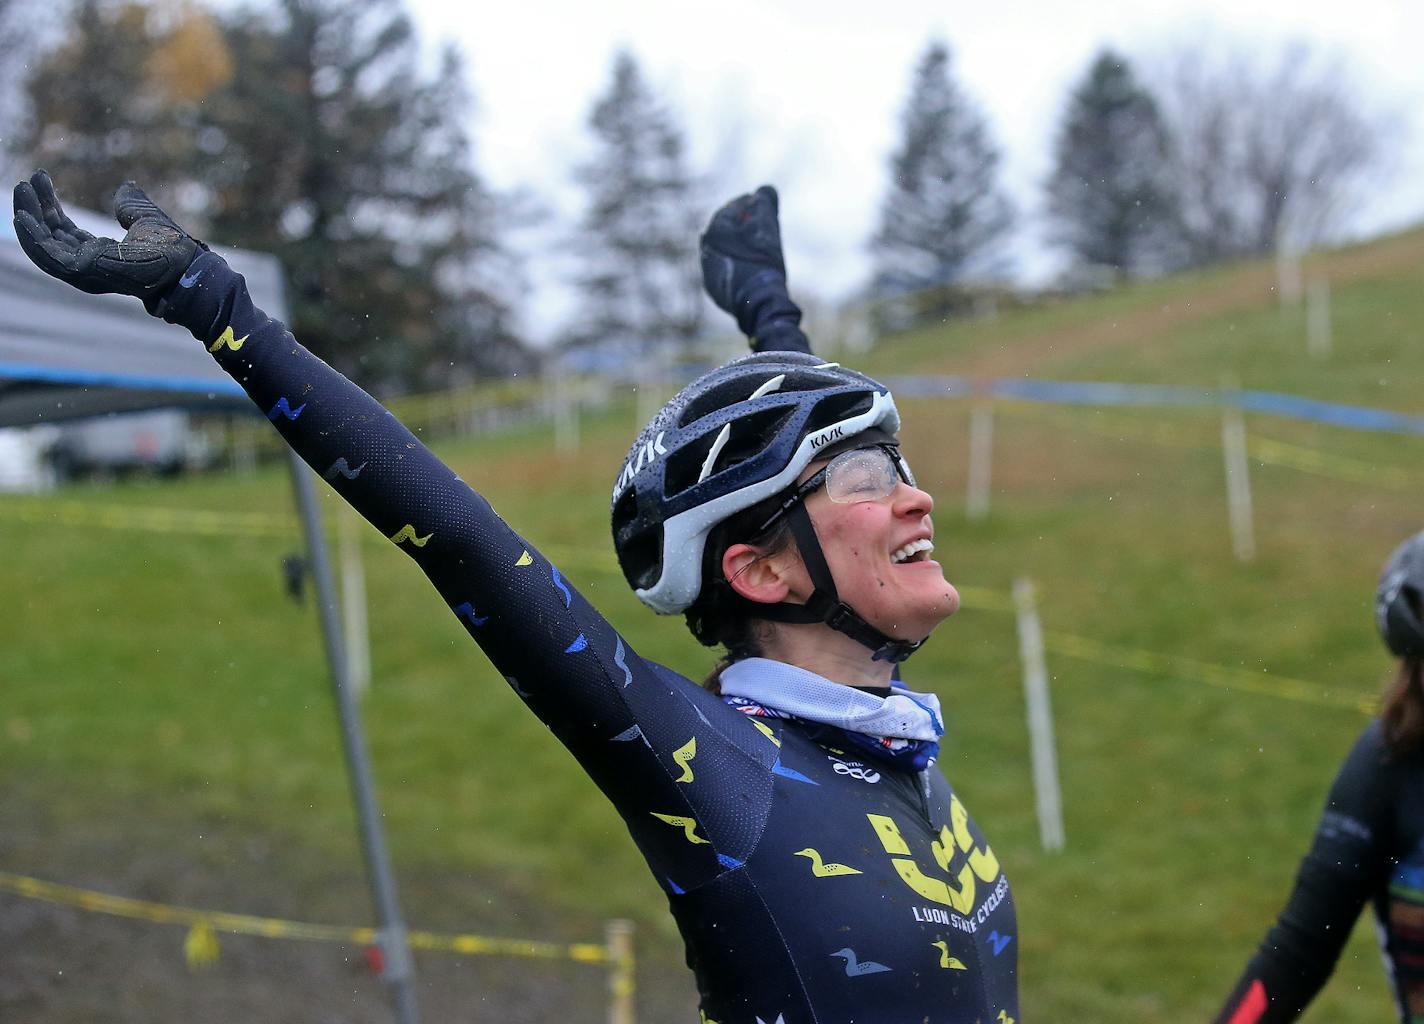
23, 26
311, 132
1109, 200
119, 98
640, 281
336, 152
944, 217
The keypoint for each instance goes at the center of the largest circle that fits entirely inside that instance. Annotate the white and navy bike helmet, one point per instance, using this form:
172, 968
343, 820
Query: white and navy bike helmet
732, 439
1399, 601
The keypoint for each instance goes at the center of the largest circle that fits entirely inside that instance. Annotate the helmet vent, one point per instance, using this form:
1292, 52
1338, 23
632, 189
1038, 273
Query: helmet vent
726, 432
835, 409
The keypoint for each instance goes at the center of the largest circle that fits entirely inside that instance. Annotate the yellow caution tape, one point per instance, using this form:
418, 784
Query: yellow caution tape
201, 945
1338, 467
1206, 672
1267, 451
154, 520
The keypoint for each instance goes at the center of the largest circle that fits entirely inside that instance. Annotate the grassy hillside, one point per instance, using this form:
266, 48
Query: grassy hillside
157, 687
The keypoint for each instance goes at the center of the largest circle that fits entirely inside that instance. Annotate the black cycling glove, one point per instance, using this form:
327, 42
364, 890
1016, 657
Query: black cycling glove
146, 262
745, 274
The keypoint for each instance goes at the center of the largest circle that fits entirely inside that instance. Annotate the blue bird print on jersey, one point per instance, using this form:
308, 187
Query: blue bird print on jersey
633, 732
580, 642
618, 660
343, 468
284, 408
466, 611
790, 773
999, 941
855, 968
563, 589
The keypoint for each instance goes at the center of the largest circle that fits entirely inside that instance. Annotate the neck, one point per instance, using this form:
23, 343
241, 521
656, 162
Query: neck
818, 648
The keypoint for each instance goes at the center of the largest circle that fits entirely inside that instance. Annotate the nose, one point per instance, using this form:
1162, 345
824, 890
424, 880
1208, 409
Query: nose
909, 501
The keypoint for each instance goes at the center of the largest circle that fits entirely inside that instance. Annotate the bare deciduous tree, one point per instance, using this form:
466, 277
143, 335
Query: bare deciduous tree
1269, 150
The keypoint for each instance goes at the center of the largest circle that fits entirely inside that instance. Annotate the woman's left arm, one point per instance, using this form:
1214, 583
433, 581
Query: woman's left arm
1337, 876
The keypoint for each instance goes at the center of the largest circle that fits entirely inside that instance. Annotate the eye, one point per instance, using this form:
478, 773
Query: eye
860, 476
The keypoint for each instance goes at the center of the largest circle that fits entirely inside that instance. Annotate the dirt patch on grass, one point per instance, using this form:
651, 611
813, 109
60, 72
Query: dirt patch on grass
65, 965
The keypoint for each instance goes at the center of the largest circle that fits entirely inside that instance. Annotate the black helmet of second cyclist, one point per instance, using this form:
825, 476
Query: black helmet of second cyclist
732, 439
1399, 601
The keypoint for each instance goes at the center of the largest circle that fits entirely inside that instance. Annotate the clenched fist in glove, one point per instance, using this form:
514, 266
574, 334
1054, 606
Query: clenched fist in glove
745, 274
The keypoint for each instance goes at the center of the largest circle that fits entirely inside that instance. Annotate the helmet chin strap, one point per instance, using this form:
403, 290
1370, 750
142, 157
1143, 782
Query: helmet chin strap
825, 605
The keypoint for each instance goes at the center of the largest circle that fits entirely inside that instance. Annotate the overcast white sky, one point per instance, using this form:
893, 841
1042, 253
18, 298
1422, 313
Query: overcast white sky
807, 95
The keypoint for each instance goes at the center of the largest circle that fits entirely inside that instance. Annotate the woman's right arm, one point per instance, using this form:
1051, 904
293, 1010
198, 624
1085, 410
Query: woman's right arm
1335, 879
632, 726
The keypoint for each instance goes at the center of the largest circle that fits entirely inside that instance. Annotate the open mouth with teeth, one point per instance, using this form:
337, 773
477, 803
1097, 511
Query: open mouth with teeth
915, 551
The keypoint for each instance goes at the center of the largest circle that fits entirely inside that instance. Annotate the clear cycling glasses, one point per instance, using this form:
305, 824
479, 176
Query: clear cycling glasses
862, 474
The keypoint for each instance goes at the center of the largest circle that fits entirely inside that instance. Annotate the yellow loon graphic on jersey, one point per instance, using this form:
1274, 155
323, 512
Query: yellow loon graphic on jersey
1004, 1017
407, 532
683, 755
979, 864
686, 824
702, 1018
226, 338
952, 963
823, 870
525, 559
766, 730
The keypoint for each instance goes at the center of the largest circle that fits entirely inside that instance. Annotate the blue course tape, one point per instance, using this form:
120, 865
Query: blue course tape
1070, 392
1073, 392
141, 382
1356, 417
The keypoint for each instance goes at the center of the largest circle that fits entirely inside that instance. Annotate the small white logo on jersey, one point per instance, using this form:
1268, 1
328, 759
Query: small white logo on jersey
854, 769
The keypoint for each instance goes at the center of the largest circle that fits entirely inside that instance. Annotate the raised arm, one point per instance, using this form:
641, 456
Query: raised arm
622, 717
745, 274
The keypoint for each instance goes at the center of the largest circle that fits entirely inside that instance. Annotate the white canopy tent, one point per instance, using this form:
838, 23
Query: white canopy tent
65, 355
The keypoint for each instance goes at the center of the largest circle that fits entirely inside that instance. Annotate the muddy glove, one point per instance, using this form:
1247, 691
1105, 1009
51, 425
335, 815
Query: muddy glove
147, 262
745, 274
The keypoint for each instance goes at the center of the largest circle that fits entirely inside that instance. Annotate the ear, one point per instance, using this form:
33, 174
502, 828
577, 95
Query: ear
754, 576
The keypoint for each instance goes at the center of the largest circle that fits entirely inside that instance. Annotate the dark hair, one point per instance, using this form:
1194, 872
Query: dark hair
720, 615
1402, 715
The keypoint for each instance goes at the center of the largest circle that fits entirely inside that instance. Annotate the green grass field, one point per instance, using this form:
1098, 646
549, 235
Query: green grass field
154, 682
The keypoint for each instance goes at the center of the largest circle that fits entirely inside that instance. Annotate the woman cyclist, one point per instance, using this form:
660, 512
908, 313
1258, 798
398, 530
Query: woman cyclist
818, 868
1369, 845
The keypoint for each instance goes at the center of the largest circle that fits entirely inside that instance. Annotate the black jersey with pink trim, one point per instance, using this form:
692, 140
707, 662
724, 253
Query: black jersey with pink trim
810, 886
1369, 846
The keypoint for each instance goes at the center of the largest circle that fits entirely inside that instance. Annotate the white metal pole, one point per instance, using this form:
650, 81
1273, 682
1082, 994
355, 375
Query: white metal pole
619, 938
1287, 275
1048, 797
353, 602
399, 970
565, 402
1238, 479
1318, 341
981, 461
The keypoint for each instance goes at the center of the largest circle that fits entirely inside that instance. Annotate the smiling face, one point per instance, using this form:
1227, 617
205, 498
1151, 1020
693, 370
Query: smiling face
881, 556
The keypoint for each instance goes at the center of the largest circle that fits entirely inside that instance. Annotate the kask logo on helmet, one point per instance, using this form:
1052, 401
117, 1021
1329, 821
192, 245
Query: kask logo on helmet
646, 456
826, 437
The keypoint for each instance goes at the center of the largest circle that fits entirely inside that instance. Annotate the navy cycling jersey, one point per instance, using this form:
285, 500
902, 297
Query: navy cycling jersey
809, 885
1369, 846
